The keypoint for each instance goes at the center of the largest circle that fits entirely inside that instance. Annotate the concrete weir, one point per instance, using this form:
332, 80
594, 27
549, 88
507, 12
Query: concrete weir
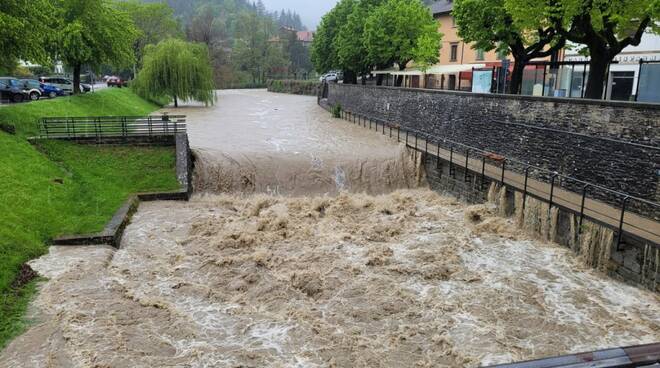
312, 242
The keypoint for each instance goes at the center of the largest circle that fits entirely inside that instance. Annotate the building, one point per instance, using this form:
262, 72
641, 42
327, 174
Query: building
624, 74
458, 60
305, 37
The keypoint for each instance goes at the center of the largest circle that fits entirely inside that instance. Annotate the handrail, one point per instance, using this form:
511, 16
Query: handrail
111, 126
550, 172
626, 198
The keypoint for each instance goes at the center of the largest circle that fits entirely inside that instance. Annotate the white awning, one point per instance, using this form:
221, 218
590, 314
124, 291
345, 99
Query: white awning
435, 69
385, 71
451, 69
408, 72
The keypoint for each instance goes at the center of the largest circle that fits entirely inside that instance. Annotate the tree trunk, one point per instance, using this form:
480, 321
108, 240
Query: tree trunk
597, 73
76, 78
517, 75
379, 80
350, 77
364, 80
176, 102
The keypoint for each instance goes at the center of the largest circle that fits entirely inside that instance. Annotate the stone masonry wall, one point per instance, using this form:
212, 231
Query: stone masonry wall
614, 144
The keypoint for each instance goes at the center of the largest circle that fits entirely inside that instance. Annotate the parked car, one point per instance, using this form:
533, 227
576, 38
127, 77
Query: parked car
32, 88
64, 84
116, 82
330, 77
51, 91
11, 90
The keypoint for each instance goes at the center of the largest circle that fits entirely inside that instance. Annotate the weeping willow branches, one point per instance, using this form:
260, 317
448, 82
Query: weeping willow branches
176, 69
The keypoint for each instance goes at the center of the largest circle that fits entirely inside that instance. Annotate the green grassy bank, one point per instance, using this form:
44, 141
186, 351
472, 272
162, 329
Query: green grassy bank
63, 188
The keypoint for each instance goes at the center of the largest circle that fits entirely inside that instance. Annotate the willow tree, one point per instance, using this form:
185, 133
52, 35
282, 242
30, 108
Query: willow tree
176, 69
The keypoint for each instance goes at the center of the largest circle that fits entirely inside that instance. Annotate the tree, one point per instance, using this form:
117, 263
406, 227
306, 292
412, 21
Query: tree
605, 27
176, 69
297, 53
349, 42
394, 30
25, 27
154, 22
490, 25
324, 48
93, 32
257, 51
425, 52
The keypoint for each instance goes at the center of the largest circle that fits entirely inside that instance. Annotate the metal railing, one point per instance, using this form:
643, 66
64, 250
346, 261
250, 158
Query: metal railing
624, 202
111, 126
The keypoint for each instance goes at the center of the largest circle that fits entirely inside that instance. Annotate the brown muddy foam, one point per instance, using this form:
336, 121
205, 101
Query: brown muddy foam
408, 278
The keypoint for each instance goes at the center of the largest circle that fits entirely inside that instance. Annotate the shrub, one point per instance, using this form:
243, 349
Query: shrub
336, 111
296, 87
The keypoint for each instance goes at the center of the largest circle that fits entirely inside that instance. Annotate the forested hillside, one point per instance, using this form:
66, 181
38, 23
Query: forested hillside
248, 43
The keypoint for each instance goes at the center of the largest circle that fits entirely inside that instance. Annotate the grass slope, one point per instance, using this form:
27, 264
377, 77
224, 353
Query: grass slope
103, 103
64, 188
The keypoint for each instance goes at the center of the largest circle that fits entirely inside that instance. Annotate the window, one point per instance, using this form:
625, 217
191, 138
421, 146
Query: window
480, 55
453, 22
453, 56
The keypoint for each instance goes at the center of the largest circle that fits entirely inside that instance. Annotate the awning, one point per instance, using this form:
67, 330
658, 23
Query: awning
408, 72
435, 69
453, 69
385, 71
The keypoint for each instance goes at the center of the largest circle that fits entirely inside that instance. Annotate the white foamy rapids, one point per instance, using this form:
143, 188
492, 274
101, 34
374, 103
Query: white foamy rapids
346, 281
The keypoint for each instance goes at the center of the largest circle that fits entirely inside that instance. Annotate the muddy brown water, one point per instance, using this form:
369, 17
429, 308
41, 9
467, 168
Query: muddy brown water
254, 141
397, 276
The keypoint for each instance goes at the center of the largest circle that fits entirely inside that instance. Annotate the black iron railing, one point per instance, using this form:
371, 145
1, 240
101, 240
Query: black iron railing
624, 203
111, 126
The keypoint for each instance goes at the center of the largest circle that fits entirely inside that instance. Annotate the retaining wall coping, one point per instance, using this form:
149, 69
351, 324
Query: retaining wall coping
557, 100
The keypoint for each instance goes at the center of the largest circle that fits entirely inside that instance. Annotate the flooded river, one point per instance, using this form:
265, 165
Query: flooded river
254, 141
332, 277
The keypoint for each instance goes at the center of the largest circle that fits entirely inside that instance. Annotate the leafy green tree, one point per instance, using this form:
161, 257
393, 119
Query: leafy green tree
325, 51
93, 32
394, 30
176, 69
489, 25
257, 49
349, 42
25, 29
605, 27
154, 22
425, 52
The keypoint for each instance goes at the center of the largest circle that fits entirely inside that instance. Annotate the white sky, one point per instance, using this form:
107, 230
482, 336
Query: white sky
310, 11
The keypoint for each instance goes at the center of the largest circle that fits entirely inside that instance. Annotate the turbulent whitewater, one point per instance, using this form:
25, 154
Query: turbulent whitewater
375, 272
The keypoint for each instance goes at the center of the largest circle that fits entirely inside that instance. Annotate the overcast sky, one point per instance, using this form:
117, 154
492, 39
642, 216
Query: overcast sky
310, 11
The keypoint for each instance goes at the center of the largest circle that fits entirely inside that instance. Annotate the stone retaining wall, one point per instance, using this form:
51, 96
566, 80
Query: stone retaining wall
294, 87
614, 144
